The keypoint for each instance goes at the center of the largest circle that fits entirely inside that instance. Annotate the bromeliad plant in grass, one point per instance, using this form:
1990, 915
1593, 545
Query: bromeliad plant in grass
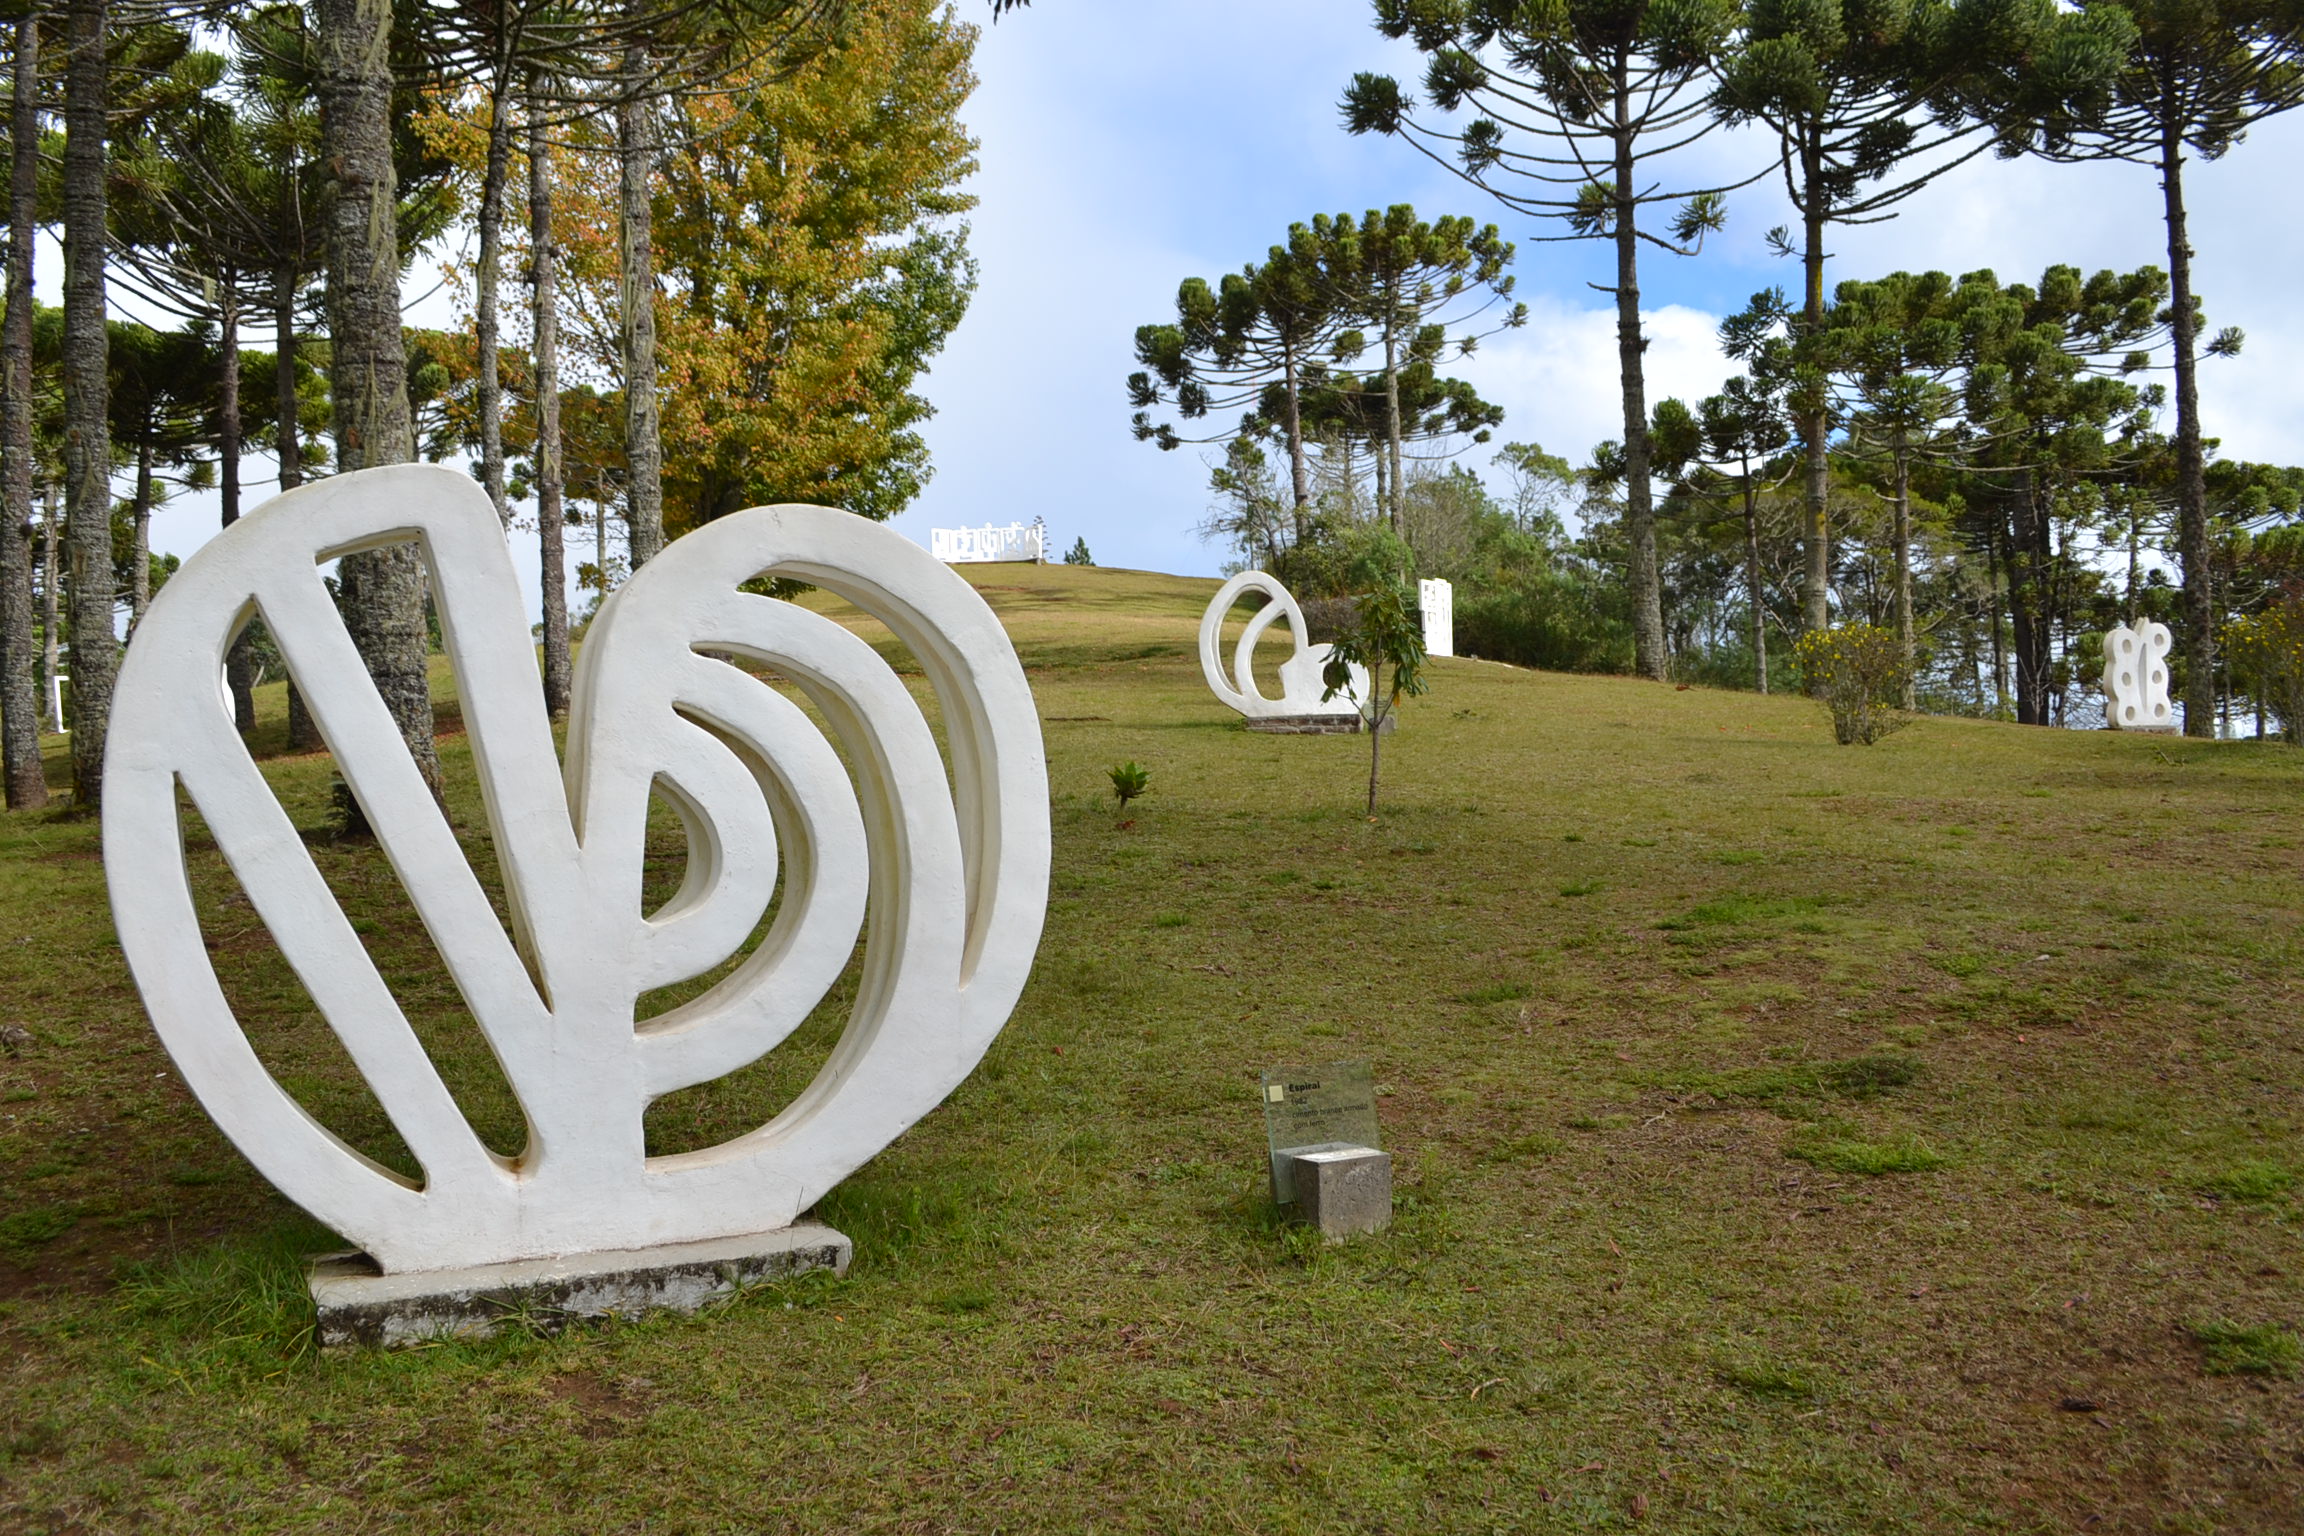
1129, 779
1859, 671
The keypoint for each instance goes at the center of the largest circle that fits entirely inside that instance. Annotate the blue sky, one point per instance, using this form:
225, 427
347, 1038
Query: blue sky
1127, 147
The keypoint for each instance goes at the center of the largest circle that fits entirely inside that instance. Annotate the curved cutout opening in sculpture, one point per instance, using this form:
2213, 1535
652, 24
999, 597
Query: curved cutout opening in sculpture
1228, 663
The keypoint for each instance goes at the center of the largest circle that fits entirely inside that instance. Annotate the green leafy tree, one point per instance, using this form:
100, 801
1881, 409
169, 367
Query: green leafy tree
1570, 106
1078, 553
2200, 73
1733, 436
1385, 637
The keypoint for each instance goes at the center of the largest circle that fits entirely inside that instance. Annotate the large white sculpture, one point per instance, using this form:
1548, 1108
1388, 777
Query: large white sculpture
1301, 686
2136, 677
971, 546
1436, 603
947, 881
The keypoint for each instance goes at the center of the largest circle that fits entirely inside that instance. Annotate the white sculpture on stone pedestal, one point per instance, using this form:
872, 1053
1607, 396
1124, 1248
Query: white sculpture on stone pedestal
2136, 677
953, 877
1301, 686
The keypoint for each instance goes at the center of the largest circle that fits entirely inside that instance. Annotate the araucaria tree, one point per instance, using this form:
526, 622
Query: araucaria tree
1571, 105
2200, 73
1411, 280
1267, 324
1872, 101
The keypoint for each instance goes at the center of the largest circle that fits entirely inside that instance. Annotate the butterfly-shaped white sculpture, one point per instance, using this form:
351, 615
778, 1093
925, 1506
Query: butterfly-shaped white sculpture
1301, 686
947, 880
2136, 677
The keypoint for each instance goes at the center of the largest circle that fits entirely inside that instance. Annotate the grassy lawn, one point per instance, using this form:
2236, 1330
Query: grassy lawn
1789, 1138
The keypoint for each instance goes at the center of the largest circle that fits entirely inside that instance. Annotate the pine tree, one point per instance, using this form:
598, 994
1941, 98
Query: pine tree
2200, 74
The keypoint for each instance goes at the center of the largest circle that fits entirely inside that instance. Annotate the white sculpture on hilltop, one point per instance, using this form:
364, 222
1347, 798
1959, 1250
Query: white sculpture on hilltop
954, 878
1301, 685
2136, 677
1436, 604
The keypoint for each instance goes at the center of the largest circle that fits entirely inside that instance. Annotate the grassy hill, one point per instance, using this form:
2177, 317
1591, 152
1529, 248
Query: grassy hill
1789, 1137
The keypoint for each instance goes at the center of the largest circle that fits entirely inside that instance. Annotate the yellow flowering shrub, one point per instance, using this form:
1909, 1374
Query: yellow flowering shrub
2266, 651
1858, 671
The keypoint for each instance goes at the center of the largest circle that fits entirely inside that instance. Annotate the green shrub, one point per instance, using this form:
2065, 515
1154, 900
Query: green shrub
1859, 671
2266, 651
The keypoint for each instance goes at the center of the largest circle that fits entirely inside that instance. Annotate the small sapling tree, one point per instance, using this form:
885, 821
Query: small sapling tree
1078, 553
1386, 637
1129, 780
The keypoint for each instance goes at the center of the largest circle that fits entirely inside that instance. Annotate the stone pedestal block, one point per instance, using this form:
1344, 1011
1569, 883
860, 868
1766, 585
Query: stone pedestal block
1315, 725
1343, 1190
359, 1305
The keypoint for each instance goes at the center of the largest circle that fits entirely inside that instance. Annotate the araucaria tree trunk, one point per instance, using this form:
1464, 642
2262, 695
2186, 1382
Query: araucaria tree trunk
2191, 467
20, 701
1639, 510
1812, 418
140, 558
484, 308
1391, 452
383, 590
288, 444
87, 429
51, 605
643, 442
1752, 579
551, 520
2030, 601
240, 662
1299, 472
1906, 640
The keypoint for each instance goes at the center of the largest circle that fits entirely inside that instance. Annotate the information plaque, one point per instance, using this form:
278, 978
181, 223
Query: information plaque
1320, 1108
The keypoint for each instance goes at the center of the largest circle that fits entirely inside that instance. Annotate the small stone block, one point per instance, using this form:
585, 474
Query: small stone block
1315, 725
360, 1305
1344, 1191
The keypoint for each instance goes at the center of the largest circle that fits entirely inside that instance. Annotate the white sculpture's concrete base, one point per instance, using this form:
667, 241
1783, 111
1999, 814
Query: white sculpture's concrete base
1315, 725
360, 1305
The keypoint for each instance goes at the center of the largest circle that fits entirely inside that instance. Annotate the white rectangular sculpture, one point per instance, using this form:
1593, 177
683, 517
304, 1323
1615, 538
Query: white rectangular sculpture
2136, 677
1437, 600
992, 542
954, 876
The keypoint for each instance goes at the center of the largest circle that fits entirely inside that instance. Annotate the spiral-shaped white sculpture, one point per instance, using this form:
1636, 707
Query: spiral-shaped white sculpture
947, 880
1301, 686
